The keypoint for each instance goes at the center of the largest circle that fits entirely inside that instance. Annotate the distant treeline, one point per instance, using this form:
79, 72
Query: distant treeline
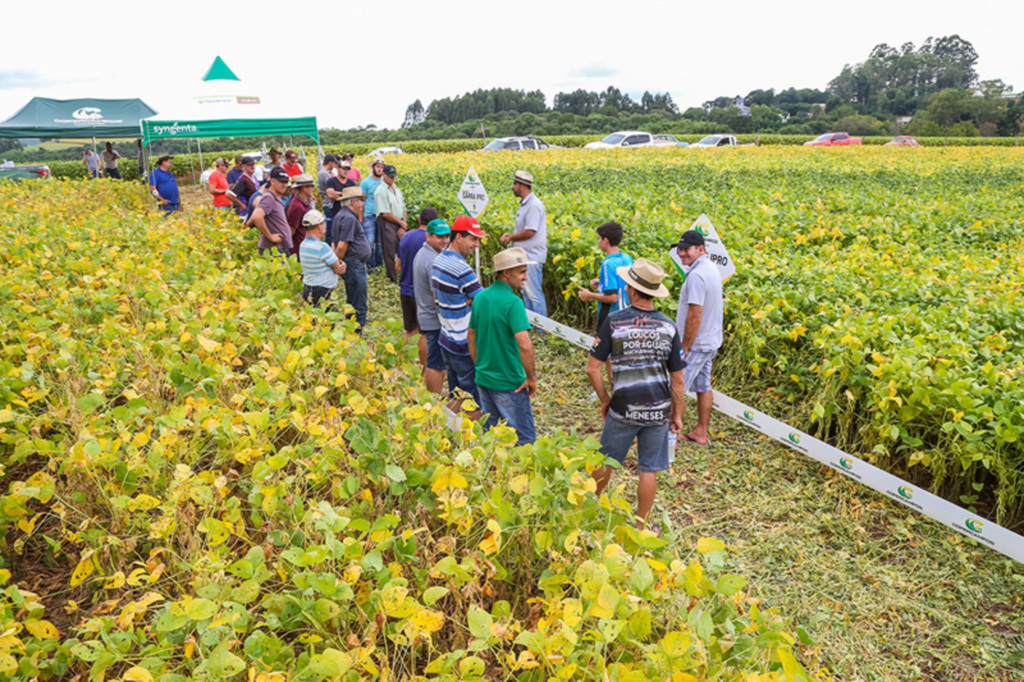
930, 91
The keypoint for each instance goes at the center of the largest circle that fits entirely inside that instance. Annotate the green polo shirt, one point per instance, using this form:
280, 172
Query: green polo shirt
388, 201
498, 315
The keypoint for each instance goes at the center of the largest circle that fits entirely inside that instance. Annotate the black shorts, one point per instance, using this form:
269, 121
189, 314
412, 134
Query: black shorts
409, 320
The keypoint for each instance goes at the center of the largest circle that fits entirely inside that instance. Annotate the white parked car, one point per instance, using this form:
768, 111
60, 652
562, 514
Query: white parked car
382, 151
722, 140
517, 143
628, 138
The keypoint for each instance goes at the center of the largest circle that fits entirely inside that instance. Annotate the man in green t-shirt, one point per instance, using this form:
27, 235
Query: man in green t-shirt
500, 345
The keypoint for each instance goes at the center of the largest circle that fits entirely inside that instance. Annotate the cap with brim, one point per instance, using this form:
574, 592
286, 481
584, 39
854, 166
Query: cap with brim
379, 159
510, 258
465, 223
279, 174
345, 163
350, 193
330, 158
645, 276
523, 178
312, 218
438, 227
690, 238
390, 171
303, 180
221, 162
248, 161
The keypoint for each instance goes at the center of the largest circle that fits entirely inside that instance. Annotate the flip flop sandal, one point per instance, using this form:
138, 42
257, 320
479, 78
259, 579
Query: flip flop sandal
688, 439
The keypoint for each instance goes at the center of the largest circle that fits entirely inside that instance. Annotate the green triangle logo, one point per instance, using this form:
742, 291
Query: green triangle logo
219, 71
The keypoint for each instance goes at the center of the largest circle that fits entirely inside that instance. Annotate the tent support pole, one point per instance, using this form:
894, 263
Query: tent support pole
199, 144
191, 168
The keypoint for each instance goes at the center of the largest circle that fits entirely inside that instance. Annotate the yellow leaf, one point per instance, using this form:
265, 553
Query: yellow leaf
138, 674
42, 629
137, 576
82, 571
392, 597
209, 345
572, 612
115, 581
708, 545
143, 502
427, 621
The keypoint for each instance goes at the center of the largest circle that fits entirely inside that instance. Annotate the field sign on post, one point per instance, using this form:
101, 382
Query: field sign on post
473, 198
717, 253
472, 194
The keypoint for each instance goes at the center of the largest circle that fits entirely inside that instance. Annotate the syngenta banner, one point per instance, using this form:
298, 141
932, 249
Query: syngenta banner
961, 520
175, 128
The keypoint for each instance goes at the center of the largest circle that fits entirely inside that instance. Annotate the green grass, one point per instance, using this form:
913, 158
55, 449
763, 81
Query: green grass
887, 593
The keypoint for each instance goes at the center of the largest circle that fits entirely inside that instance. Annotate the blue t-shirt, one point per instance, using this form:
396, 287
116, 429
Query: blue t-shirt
316, 259
455, 285
410, 245
609, 282
166, 184
234, 174
368, 187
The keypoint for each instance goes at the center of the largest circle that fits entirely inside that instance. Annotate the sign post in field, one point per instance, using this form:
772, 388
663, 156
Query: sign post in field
713, 244
473, 199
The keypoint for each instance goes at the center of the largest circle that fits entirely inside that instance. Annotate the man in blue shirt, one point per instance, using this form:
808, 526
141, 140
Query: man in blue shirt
455, 284
410, 245
320, 265
164, 186
369, 186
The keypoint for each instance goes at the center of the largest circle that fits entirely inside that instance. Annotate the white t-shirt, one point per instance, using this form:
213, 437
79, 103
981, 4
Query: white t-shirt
703, 287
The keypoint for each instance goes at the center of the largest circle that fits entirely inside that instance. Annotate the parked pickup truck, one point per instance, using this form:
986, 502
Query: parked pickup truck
628, 138
717, 141
29, 171
833, 140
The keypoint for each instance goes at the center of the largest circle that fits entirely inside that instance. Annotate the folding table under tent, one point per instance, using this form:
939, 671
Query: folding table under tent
86, 117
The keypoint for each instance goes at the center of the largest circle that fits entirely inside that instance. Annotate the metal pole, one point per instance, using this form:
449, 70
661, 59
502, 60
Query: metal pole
191, 168
199, 144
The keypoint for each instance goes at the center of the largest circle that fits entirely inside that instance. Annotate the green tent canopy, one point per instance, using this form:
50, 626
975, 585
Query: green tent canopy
225, 107
88, 117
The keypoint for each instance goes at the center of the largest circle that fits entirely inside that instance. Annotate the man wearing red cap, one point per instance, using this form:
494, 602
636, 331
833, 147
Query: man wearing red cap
455, 284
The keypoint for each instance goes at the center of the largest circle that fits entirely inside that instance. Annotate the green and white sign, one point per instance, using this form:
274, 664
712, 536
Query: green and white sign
472, 194
713, 244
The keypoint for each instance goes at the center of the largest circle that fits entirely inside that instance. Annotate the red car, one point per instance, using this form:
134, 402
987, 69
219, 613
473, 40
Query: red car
902, 141
833, 140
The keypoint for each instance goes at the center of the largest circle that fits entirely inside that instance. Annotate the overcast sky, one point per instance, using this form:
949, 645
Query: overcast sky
359, 63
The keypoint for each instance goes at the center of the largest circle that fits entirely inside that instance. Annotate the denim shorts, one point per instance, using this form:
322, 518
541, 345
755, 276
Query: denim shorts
462, 370
435, 359
651, 444
697, 373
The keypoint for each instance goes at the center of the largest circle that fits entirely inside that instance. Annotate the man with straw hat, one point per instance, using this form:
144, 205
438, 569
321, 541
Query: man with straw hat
352, 247
647, 376
303, 188
500, 345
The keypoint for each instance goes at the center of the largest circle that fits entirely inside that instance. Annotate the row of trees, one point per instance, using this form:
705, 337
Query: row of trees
479, 104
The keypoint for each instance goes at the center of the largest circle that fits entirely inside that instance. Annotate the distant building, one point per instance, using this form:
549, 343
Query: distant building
744, 109
903, 120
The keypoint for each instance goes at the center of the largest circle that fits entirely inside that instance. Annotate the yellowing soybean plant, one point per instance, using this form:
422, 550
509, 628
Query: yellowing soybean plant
204, 480
877, 299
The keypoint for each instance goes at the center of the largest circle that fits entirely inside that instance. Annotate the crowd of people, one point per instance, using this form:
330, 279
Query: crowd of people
475, 342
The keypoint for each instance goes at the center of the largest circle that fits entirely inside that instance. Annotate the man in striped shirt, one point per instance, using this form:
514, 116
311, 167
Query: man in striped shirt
455, 284
320, 264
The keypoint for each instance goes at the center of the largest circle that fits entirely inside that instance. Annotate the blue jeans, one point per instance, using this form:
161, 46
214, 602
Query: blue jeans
114, 173
462, 372
168, 209
651, 444
355, 289
329, 215
370, 228
533, 292
512, 407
